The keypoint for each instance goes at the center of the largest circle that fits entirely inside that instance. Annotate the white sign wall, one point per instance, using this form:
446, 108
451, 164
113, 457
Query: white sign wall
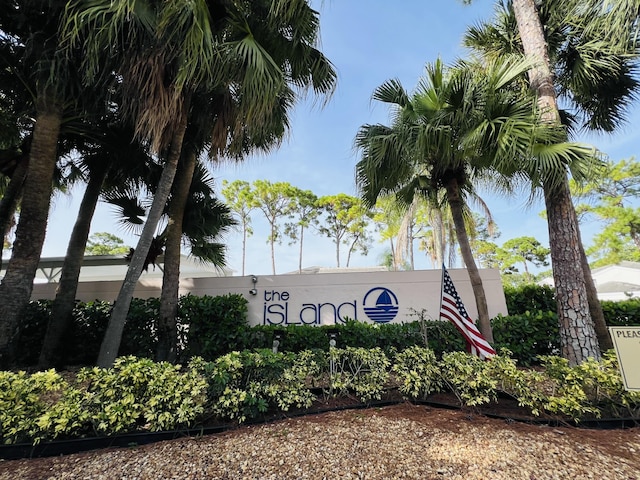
324, 298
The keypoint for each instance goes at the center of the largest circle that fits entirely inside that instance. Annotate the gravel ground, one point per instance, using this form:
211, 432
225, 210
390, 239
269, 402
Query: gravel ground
401, 441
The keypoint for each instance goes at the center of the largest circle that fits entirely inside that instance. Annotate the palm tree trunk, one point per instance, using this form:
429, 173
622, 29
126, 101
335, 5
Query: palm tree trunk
113, 335
17, 284
455, 203
167, 324
62, 310
438, 233
9, 201
575, 323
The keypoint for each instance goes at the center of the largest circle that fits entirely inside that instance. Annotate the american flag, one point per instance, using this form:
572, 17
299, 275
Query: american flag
453, 310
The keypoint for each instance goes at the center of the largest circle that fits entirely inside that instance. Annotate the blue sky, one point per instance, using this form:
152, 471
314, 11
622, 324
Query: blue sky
369, 42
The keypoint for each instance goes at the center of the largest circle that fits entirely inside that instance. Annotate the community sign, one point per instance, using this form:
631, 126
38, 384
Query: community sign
626, 341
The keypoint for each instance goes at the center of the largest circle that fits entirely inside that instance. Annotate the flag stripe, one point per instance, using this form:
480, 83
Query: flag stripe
452, 309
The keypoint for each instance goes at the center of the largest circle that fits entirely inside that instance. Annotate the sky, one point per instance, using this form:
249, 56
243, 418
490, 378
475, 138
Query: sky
368, 42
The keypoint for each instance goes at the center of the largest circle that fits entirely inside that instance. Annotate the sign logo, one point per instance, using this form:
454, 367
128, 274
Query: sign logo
383, 305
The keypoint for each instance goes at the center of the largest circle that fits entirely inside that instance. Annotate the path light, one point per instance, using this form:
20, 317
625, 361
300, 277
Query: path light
332, 333
277, 337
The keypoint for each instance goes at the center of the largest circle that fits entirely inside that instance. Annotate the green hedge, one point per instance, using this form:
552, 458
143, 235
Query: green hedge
622, 313
209, 326
213, 326
530, 298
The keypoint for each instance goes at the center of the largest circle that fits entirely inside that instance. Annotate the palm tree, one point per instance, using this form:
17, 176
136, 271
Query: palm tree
167, 52
592, 70
30, 37
462, 126
198, 219
106, 163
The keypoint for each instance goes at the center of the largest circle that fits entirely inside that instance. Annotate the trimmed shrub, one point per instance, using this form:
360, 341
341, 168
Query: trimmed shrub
216, 325
530, 298
527, 335
622, 313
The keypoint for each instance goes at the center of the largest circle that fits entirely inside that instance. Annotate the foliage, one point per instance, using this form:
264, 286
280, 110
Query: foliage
238, 197
589, 388
530, 298
528, 335
417, 372
137, 393
33, 323
467, 377
276, 202
215, 324
622, 313
212, 325
23, 399
345, 220
360, 371
610, 200
105, 243
245, 384
523, 250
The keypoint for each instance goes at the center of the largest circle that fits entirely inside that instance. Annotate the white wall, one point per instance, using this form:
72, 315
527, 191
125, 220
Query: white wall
320, 299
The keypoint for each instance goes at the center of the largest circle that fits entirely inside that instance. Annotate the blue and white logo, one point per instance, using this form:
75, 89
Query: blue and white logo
383, 305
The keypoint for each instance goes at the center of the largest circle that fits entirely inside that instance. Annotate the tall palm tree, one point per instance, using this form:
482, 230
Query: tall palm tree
199, 220
106, 163
221, 124
461, 126
593, 72
167, 52
30, 29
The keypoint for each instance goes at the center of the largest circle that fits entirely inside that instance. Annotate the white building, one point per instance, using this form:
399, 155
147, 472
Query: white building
614, 282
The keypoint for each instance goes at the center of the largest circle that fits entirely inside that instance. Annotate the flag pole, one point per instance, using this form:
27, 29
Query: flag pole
441, 291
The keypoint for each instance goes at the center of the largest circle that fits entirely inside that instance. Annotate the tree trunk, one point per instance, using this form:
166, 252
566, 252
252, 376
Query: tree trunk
167, 324
595, 308
273, 249
455, 203
577, 335
62, 310
351, 247
113, 335
17, 284
244, 245
535, 46
542, 81
301, 240
9, 201
438, 234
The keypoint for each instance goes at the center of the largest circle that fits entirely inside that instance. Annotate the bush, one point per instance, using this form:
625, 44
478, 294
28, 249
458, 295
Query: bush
527, 335
622, 313
243, 385
591, 388
23, 399
417, 371
138, 393
360, 371
530, 297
